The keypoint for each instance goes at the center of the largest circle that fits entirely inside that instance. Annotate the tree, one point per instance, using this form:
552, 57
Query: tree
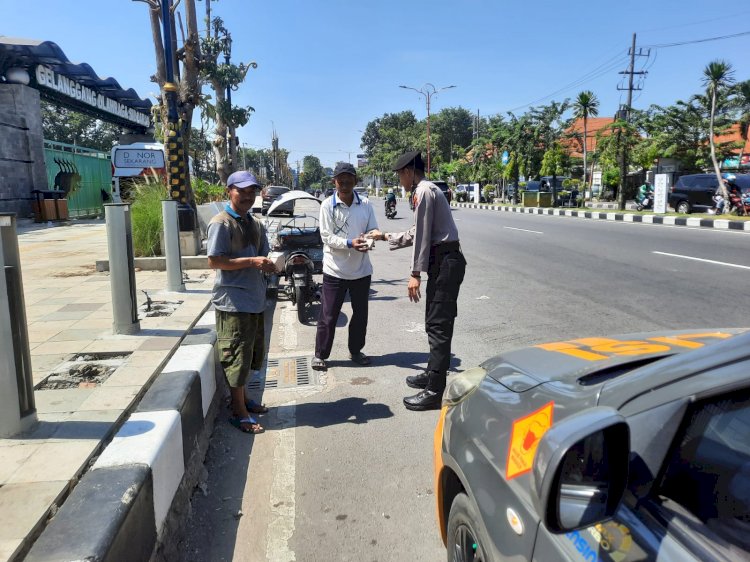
742, 101
312, 171
553, 164
223, 76
450, 126
68, 126
187, 77
585, 105
717, 78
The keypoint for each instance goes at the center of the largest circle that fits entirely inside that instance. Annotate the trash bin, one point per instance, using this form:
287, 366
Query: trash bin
49, 205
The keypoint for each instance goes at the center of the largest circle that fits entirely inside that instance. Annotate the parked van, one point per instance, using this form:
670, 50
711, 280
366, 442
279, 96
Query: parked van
693, 193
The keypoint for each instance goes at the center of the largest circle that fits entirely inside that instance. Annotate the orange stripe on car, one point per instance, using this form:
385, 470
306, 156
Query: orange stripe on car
438, 466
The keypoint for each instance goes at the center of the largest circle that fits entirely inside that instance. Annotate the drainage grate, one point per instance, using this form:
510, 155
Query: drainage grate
286, 372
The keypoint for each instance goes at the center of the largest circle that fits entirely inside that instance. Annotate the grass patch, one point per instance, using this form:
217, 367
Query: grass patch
146, 221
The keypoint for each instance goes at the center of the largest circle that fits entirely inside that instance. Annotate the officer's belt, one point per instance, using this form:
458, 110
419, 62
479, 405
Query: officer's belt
446, 247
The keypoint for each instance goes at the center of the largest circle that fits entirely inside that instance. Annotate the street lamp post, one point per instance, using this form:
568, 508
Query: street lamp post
428, 90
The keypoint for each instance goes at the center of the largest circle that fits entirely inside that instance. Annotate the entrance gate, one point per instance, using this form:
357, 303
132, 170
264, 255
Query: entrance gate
84, 174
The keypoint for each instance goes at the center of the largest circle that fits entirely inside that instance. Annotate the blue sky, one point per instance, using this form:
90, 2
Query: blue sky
328, 67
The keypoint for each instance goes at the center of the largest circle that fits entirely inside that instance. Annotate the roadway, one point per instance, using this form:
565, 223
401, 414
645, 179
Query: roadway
344, 471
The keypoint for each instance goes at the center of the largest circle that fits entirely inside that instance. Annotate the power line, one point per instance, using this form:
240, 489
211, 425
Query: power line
600, 70
679, 26
706, 40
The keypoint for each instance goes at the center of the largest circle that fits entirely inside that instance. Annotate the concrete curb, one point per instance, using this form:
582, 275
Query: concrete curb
137, 493
721, 224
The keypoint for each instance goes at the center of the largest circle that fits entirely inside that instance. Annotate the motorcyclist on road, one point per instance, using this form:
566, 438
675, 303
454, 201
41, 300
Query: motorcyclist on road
645, 192
390, 198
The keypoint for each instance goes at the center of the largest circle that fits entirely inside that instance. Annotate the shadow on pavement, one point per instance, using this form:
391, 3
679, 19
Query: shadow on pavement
347, 410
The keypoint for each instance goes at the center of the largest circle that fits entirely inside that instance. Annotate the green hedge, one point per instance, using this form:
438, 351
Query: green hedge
145, 218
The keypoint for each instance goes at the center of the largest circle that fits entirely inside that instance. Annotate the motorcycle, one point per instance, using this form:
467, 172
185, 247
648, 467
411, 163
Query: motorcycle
296, 250
739, 203
390, 209
647, 202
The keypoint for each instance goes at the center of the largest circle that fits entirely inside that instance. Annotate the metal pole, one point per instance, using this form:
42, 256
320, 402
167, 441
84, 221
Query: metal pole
172, 246
17, 409
121, 269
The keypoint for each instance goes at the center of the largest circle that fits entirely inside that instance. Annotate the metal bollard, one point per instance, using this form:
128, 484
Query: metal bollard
121, 269
17, 409
172, 246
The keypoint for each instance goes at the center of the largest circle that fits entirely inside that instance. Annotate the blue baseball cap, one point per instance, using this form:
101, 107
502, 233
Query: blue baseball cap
242, 179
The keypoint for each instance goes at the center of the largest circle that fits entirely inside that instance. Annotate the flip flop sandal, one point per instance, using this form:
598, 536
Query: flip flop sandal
254, 408
242, 423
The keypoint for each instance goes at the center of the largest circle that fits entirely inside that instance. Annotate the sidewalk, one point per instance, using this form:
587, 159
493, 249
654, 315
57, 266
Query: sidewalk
623, 216
69, 320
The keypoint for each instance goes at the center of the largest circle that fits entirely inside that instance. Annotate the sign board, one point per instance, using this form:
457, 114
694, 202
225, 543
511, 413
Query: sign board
505, 157
138, 158
662, 184
51, 80
524, 439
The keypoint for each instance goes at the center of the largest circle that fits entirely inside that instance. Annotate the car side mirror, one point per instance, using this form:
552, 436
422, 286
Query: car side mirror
580, 470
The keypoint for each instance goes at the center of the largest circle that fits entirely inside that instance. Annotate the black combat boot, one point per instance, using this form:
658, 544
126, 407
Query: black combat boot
431, 397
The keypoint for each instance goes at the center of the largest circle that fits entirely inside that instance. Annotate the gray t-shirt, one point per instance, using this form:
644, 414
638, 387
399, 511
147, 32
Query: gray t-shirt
241, 290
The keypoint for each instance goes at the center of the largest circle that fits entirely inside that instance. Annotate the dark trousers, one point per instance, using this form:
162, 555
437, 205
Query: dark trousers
332, 297
446, 273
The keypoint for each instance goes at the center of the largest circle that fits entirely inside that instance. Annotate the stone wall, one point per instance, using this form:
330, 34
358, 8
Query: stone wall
22, 165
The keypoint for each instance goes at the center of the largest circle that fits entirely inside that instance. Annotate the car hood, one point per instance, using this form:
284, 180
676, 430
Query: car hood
291, 196
592, 360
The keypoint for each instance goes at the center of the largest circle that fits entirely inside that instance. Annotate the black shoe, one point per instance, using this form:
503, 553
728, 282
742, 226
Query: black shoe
319, 364
418, 381
425, 400
360, 358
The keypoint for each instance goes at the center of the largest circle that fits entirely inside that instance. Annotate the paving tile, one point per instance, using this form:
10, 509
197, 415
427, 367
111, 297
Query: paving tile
70, 315
65, 400
100, 321
55, 461
47, 362
61, 347
141, 358
88, 424
12, 456
159, 343
100, 346
81, 306
9, 548
129, 375
110, 398
35, 312
24, 506
41, 335
78, 334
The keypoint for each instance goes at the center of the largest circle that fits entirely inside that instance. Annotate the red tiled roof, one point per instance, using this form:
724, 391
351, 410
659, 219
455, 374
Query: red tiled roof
733, 134
574, 146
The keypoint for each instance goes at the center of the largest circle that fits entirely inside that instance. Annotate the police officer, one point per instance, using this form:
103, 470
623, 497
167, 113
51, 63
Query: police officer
436, 251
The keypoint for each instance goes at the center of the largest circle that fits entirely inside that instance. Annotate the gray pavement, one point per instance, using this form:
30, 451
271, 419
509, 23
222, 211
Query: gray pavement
68, 313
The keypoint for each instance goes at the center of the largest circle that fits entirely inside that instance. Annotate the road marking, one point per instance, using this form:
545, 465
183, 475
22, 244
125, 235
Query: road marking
703, 260
282, 500
523, 230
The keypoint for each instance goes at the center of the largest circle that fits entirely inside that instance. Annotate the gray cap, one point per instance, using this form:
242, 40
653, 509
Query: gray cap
409, 159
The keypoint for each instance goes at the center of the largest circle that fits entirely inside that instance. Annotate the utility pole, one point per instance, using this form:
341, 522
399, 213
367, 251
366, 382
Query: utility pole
624, 114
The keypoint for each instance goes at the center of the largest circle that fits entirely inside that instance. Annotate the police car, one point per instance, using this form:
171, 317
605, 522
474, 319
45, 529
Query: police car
624, 448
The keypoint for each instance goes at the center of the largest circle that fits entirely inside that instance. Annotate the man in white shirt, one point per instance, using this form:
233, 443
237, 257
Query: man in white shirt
345, 217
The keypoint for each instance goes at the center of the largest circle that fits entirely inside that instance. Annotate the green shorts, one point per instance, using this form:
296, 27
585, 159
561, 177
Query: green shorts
241, 340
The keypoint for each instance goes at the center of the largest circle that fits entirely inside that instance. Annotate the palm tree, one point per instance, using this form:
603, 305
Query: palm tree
743, 102
717, 76
586, 105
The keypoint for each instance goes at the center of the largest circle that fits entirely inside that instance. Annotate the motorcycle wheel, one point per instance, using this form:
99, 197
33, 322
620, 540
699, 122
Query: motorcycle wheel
639, 207
301, 298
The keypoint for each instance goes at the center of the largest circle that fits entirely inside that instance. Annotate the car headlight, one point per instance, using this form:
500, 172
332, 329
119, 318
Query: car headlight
463, 385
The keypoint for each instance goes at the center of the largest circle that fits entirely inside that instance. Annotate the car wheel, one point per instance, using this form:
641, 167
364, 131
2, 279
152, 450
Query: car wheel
464, 541
683, 207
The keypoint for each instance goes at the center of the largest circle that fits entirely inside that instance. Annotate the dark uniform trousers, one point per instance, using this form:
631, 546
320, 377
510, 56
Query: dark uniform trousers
332, 297
446, 273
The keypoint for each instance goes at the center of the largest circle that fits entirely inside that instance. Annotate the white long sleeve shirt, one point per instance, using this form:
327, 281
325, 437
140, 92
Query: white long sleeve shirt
339, 224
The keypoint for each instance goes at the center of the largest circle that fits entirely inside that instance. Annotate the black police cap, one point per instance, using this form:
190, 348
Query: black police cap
344, 168
410, 159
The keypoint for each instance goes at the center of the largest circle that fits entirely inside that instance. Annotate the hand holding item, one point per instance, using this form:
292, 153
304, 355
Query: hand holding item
361, 244
264, 264
375, 234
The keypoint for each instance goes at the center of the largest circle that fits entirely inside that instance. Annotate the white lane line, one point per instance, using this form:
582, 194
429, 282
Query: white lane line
523, 230
703, 260
282, 500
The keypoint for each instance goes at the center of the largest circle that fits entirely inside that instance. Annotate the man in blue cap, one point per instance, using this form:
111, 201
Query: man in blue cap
237, 248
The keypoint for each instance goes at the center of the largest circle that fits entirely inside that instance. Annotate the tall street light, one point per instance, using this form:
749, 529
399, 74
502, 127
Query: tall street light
428, 90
